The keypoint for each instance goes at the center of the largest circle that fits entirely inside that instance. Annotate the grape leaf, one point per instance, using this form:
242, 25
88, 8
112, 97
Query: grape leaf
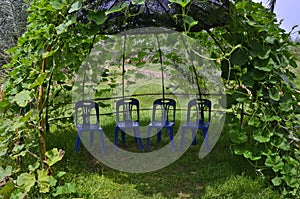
75, 6
22, 98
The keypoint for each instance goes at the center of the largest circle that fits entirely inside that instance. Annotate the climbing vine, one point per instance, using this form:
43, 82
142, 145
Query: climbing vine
256, 62
37, 92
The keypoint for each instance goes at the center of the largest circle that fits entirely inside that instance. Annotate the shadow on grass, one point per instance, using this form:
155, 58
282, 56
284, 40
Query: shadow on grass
188, 177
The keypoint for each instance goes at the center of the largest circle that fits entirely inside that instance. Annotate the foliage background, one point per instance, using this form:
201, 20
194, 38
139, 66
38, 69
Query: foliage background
253, 52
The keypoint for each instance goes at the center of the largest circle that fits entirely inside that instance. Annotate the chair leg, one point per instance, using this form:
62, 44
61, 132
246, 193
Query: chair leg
194, 134
182, 138
138, 138
78, 141
170, 132
91, 138
148, 138
116, 136
206, 140
101, 141
159, 136
123, 136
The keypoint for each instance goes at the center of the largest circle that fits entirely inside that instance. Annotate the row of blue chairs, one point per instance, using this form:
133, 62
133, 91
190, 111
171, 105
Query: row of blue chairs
128, 117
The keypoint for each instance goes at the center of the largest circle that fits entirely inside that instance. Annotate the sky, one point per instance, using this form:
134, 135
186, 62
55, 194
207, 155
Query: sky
289, 11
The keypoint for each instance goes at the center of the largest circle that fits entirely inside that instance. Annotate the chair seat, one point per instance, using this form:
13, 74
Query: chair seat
89, 127
202, 121
127, 116
161, 124
163, 116
87, 122
129, 124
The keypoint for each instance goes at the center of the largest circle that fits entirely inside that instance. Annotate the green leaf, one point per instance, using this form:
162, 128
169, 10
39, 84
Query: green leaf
275, 162
274, 94
291, 161
262, 136
71, 187
254, 121
3, 152
291, 181
239, 150
269, 118
283, 144
182, 3
54, 156
48, 54
189, 20
117, 8
286, 106
62, 28
276, 181
259, 49
98, 17
61, 174
252, 156
238, 136
18, 148
65, 189
52, 181
225, 67
43, 181
239, 57
39, 81
26, 181
75, 6
34, 167
56, 5
282, 59
264, 64
293, 63
22, 98
27, 116
139, 2
270, 39
18, 194
5, 172
273, 118
258, 74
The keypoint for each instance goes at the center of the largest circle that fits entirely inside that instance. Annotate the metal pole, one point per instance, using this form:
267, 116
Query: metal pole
123, 66
194, 68
162, 68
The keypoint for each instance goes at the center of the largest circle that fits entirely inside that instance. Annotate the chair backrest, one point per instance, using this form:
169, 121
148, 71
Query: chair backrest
199, 107
87, 113
164, 110
128, 110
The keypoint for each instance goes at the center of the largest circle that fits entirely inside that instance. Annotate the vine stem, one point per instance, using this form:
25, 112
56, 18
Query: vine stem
40, 108
47, 103
216, 41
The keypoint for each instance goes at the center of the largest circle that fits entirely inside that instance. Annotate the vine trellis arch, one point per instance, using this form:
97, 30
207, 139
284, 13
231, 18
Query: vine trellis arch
249, 46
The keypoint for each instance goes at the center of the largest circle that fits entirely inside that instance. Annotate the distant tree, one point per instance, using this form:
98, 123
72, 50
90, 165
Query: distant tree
13, 18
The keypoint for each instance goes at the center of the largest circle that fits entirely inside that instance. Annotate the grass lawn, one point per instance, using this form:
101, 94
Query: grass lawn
219, 175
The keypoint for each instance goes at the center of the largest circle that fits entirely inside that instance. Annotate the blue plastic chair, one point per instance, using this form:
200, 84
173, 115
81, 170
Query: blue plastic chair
128, 117
87, 120
201, 121
163, 116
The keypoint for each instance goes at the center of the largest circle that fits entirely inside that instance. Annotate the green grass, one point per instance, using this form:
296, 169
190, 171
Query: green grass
219, 175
